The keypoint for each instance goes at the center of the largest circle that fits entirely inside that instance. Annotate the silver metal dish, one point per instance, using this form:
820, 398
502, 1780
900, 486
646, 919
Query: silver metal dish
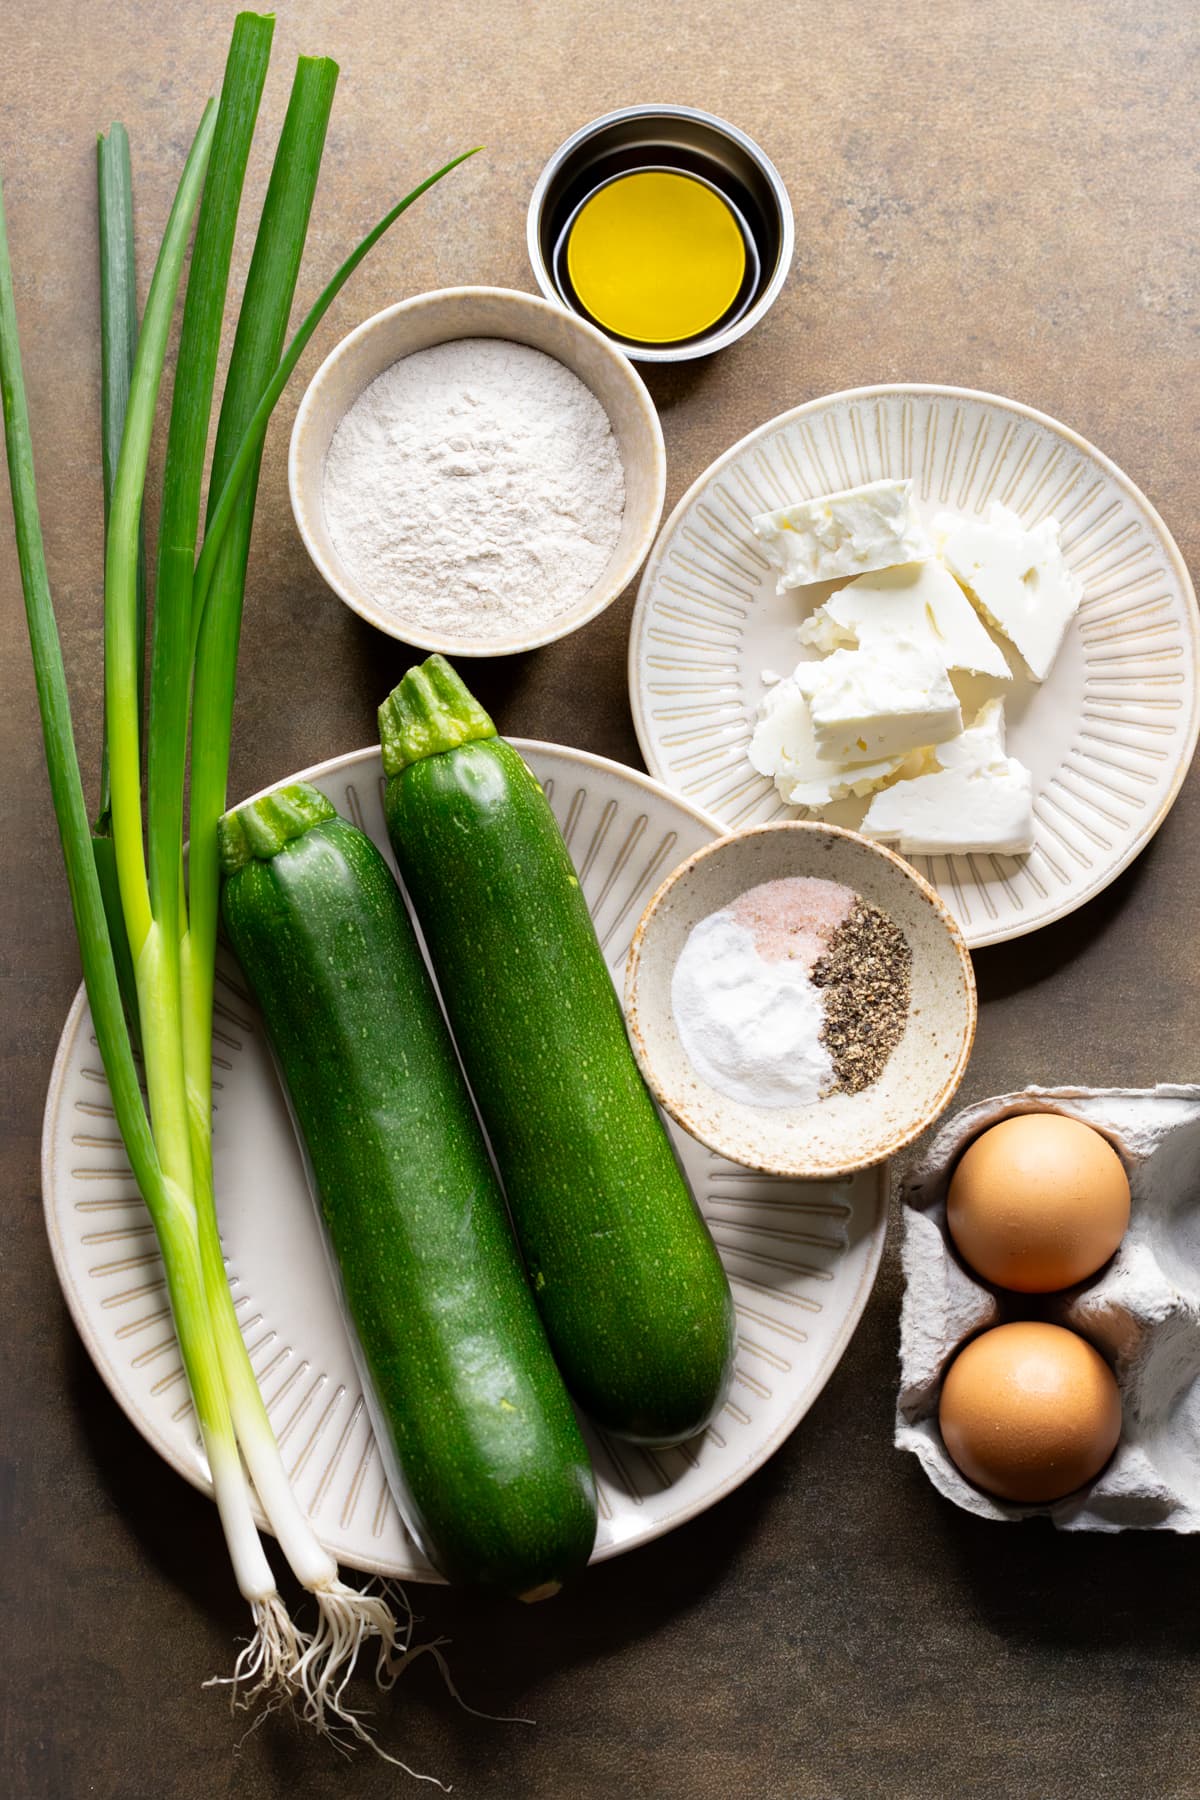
678, 137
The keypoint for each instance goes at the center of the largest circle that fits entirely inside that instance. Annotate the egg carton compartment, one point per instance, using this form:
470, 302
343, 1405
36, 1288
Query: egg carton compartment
1142, 1311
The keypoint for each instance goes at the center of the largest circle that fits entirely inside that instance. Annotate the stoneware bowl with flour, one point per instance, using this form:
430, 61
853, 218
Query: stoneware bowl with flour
845, 1130
477, 471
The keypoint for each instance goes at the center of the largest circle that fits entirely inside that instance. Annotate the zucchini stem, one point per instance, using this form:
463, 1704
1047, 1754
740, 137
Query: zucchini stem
259, 829
431, 710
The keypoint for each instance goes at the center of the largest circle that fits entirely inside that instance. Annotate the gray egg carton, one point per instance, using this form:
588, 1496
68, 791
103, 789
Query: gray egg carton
1142, 1311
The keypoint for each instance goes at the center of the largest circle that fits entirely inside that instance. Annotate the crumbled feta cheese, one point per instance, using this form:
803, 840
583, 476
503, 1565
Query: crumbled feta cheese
847, 533
783, 747
977, 799
1017, 577
920, 601
881, 702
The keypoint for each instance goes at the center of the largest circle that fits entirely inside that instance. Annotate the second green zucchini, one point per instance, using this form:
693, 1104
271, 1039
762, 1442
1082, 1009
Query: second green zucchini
628, 1279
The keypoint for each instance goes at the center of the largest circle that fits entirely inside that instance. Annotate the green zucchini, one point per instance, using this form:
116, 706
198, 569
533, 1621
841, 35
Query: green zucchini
492, 1473
627, 1277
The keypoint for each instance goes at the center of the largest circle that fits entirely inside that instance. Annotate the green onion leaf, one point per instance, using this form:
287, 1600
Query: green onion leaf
262, 326
187, 441
122, 646
118, 345
220, 515
118, 334
62, 763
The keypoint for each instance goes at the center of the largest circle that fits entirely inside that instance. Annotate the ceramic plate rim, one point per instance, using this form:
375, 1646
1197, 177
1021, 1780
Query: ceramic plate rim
880, 390
190, 1470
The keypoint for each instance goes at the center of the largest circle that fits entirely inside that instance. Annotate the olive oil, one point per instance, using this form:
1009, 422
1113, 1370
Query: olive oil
668, 229
656, 256
658, 250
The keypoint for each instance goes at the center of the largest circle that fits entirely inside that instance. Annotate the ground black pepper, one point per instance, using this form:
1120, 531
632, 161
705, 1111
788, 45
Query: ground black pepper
866, 975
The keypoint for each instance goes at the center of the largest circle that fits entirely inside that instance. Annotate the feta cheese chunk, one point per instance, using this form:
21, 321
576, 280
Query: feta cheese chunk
1017, 577
783, 747
976, 799
867, 705
848, 533
920, 601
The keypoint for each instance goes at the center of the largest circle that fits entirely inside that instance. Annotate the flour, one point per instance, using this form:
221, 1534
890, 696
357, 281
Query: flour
477, 487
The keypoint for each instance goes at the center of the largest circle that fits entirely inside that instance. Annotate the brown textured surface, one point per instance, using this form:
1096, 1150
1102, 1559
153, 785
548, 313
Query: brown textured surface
1002, 196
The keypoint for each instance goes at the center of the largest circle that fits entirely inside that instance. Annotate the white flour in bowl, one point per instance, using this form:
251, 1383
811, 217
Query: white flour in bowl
477, 487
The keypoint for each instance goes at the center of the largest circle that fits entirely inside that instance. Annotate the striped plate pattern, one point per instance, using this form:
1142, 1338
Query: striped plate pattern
802, 1257
1109, 736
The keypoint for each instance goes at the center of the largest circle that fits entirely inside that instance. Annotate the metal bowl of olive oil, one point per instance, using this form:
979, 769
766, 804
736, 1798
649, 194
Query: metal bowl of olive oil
666, 227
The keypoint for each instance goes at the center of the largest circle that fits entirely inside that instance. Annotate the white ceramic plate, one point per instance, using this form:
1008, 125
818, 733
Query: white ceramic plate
1109, 736
802, 1257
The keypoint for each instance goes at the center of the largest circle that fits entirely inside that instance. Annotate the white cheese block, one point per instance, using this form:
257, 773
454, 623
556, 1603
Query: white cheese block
847, 533
920, 601
783, 748
867, 705
1017, 577
977, 799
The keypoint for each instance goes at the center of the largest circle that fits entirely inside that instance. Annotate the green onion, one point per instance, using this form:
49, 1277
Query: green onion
62, 764
346, 1616
274, 1646
170, 1212
155, 942
167, 932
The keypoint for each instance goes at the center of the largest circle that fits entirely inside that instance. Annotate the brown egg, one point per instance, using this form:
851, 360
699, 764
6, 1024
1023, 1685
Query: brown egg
1030, 1411
1038, 1202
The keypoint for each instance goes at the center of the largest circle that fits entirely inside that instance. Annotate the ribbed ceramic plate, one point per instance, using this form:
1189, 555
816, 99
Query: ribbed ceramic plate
1108, 737
802, 1257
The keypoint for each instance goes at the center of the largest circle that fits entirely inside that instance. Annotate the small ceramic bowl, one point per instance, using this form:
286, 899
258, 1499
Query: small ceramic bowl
438, 318
844, 1132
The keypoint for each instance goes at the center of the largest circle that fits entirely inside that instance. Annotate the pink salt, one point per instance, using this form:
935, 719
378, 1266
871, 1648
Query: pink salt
793, 920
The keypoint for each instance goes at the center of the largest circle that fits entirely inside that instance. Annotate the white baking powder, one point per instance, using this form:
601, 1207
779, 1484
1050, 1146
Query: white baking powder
477, 486
750, 1027
748, 1013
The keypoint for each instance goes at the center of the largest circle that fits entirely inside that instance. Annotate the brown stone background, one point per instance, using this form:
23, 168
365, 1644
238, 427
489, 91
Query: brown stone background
998, 195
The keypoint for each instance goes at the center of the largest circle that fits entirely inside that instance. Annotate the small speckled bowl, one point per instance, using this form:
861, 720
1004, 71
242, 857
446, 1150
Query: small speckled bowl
439, 318
845, 1132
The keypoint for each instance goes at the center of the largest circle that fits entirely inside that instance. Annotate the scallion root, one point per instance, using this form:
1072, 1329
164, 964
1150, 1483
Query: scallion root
434, 1648
266, 1668
281, 1664
349, 1618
